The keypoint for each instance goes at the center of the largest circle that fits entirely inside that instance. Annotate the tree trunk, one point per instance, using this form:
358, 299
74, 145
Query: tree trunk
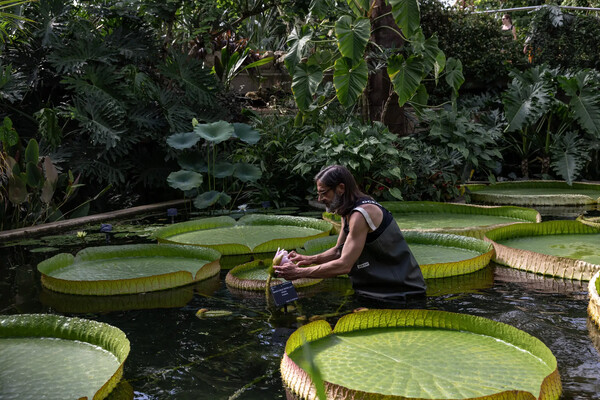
382, 100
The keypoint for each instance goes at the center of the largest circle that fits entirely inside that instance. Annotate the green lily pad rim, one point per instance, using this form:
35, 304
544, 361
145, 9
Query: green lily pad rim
594, 222
129, 285
297, 379
233, 277
100, 334
540, 263
163, 235
444, 270
594, 304
550, 199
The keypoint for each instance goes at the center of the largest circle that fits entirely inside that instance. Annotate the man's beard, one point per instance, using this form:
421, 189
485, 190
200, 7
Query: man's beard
335, 204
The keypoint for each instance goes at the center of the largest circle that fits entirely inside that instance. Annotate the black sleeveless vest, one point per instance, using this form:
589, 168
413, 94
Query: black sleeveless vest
386, 268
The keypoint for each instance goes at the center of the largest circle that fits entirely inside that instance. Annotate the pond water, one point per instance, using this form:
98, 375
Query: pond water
176, 355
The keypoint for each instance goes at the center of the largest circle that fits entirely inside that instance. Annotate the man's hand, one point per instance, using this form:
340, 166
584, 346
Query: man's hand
289, 271
299, 259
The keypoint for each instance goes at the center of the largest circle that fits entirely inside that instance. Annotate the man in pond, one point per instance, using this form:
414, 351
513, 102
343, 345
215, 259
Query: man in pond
370, 247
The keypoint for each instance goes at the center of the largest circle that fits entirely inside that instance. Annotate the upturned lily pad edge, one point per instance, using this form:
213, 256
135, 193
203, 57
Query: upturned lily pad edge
232, 278
130, 285
100, 334
594, 304
542, 264
299, 384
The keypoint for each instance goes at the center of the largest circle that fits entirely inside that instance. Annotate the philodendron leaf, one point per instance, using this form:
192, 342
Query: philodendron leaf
304, 84
585, 102
360, 7
297, 42
246, 133
223, 169
407, 15
215, 132
350, 80
32, 152
184, 180
208, 199
34, 175
454, 75
353, 36
181, 141
405, 75
247, 172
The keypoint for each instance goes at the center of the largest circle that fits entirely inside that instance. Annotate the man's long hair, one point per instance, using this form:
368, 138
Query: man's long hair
332, 176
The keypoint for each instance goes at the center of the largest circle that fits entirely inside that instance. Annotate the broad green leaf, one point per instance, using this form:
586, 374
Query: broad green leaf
215, 132
36, 346
246, 133
420, 99
181, 141
454, 75
17, 190
584, 102
207, 199
360, 8
349, 80
247, 172
569, 155
252, 233
304, 84
554, 248
353, 36
405, 75
297, 42
223, 169
35, 178
192, 161
32, 152
8, 135
396, 193
407, 15
184, 180
50, 170
430, 347
47, 192
439, 65
110, 270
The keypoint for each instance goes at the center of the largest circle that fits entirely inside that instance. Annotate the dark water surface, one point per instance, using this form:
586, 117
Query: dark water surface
176, 355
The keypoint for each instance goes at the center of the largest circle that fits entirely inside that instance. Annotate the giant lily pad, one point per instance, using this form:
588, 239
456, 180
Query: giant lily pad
530, 193
460, 219
594, 305
566, 249
253, 233
440, 255
55, 357
112, 270
253, 276
420, 354
592, 221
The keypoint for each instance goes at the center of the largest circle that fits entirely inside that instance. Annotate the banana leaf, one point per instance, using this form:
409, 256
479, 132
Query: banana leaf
594, 305
541, 261
420, 354
51, 356
530, 193
253, 233
116, 270
460, 219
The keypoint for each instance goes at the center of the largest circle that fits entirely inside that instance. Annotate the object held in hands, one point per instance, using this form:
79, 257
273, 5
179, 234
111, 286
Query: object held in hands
281, 257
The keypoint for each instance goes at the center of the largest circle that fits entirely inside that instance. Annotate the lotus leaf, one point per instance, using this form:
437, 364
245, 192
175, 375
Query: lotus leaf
420, 354
594, 305
207, 199
254, 275
246, 133
253, 233
223, 169
34, 348
182, 141
215, 132
566, 249
530, 193
184, 180
460, 219
247, 172
193, 162
112, 270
